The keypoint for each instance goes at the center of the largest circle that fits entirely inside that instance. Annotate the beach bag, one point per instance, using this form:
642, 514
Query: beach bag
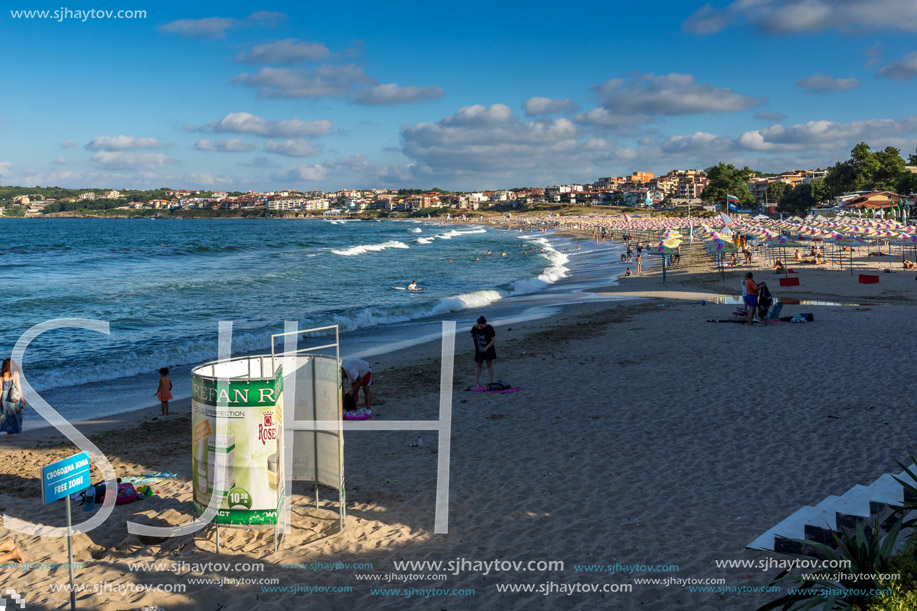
13, 395
499, 385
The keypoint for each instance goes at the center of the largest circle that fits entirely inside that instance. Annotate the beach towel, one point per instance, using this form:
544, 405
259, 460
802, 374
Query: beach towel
502, 391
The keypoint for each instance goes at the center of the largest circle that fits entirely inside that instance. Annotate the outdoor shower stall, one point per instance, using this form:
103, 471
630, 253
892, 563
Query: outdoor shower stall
257, 418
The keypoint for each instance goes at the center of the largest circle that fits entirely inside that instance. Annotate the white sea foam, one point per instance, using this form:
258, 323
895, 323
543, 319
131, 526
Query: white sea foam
477, 299
365, 248
554, 272
415, 230
424, 240
455, 232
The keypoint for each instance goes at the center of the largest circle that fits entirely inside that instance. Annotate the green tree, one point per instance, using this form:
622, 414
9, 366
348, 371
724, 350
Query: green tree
726, 179
803, 197
890, 167
775, 191
879, 170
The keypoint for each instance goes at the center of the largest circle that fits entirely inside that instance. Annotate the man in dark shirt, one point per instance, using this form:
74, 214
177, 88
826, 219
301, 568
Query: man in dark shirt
484, 337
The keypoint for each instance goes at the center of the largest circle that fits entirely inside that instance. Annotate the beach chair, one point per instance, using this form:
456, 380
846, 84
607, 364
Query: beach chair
774, 314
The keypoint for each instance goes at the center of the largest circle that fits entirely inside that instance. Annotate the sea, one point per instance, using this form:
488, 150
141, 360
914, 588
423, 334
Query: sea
164, 285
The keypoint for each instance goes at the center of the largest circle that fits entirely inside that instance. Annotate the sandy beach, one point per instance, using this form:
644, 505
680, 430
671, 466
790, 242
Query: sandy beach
643, 435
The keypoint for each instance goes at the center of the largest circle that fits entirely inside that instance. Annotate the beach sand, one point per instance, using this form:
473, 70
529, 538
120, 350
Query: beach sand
642, 435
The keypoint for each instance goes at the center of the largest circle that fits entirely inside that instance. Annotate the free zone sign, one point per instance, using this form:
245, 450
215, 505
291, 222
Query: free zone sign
64, 477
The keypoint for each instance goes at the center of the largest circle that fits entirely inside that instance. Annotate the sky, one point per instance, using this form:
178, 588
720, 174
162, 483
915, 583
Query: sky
463, 96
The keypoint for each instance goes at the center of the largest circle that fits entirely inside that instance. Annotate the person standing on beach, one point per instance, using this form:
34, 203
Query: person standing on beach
639, 262
358, 373
751, 296
11, 401
630, 252
484, 337
164, 392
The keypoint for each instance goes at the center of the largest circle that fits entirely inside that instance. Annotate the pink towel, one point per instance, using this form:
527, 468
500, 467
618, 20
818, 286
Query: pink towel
502, 392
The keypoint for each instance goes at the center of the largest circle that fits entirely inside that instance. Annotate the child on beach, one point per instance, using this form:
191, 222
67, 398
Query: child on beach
164, 392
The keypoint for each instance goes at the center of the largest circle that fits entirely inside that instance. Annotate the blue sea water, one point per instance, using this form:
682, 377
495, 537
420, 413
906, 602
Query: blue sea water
164, 285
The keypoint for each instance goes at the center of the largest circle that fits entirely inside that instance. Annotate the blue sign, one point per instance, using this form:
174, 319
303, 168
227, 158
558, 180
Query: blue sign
64, 477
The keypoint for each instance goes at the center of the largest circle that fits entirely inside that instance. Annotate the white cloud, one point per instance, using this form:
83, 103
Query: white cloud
707, 20
289, 51
490, 141
208, 27
603, 118
391, 93
122, 143
824, 83
780, 17
297, 147
668, 94
697, 143
766, 115
68, 144
903, 69
824, 134
247, 123
232, 145
119, 160
310, 173
216, 27
59, 161
5, 168
327, 80
548, 106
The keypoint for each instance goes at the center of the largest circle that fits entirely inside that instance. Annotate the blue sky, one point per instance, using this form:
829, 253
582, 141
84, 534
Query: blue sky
477, 95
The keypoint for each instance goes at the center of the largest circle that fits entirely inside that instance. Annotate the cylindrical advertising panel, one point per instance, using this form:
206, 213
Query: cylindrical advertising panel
244, 463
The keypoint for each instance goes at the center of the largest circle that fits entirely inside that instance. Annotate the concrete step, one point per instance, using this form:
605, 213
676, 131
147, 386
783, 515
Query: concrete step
792, 527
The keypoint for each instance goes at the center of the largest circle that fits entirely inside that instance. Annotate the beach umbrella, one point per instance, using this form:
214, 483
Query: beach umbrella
665, 251
852, 242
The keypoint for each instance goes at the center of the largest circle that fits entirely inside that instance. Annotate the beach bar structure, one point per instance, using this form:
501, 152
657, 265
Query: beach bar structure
266, 402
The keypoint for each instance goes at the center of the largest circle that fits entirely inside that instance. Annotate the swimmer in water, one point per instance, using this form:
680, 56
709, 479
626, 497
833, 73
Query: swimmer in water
503, 254
488, 252
412, 286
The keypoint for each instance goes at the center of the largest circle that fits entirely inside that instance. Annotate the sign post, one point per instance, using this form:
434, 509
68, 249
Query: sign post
58, 481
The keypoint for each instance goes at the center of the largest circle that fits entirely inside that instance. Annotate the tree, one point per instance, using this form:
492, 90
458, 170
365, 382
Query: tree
797, 200
865, 169
726, 179
775, 191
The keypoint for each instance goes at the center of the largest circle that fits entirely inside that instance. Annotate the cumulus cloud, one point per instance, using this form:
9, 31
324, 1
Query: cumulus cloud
903, 69
824, 134
479, 139
387, 94
327, 80
296, 147
781, 17
766, 115
697, 143
824, 83
120, 160
289, 51
600, 117
333, 80
122, 143
548, 106
231, 145
707, 20
668, 94
216, 27
247, 123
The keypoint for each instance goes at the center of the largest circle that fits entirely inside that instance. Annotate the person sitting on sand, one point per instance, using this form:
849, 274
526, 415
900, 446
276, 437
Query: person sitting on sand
626, 274
797, 256
9, 552
908, 264
778, 266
